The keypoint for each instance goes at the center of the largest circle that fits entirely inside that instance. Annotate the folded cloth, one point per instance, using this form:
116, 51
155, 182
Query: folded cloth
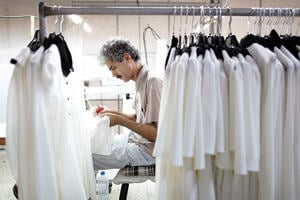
138, 170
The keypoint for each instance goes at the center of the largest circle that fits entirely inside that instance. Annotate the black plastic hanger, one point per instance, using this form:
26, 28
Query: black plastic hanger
35, 43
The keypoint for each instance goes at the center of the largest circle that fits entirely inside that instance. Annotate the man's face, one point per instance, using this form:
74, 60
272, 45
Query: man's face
121, 70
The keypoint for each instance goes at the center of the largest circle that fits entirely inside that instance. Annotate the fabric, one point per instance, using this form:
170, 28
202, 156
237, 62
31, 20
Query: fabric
138, 170
209, 107
257, 107
147, 102
101, 134
288, 165
122, 154
162, 147
165, 132
267, 62
251, 91
46, 144
190, 116
199, 158
28, 164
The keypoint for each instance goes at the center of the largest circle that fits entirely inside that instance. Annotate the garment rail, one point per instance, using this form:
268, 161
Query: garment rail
45, 10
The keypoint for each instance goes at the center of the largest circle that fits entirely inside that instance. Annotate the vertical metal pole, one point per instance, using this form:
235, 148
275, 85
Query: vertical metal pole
42, 21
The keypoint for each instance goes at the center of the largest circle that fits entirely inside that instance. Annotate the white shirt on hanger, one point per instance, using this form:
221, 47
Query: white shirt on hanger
209, 103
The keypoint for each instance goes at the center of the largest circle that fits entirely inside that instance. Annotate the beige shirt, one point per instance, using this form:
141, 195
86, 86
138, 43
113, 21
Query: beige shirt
146, 105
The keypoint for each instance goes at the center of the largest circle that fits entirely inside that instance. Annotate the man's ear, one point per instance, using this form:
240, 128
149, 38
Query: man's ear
126, 57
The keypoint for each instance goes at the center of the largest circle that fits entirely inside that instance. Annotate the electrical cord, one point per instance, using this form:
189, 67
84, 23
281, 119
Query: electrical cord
155, 35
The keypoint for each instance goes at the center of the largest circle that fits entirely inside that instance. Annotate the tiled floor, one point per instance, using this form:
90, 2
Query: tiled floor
140, 191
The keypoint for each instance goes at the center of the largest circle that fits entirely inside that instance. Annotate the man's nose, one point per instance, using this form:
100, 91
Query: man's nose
113, 74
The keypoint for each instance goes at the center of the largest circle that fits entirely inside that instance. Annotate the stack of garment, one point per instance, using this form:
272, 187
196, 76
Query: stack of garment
228, 125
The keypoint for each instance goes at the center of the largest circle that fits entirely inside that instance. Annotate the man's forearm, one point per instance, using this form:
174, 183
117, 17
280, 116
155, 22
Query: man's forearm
148, 131
129, 116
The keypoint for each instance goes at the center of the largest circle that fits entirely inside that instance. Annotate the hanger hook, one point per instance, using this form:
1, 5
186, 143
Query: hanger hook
269, 21
278, 18
215, 21
209, 11
186, 18
193, 19
201, 18
56, 19
255, 23
293, 19
220, 21
174, 20
61, 21
180, 25
230, 21
283, 22
263, 12
248, 21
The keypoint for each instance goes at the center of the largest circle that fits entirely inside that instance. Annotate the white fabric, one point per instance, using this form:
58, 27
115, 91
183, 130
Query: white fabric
101, 134
220, 141
251, 93
74, 93
206, 181
49, 151
267, 62
29, 165
236, 106
190, 116
288, 176
60, 126
199, 160
253, 150
256, 102
209, 100
296, 118
225, 160
163, 146
176, 158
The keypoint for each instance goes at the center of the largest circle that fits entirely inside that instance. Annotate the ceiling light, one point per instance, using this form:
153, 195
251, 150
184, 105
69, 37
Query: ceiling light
76, 19
87, 27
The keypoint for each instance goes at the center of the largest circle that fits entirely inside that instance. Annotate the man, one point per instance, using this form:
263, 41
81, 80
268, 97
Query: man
123, 60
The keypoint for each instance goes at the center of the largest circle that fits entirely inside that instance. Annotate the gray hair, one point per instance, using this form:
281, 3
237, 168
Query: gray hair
115, 48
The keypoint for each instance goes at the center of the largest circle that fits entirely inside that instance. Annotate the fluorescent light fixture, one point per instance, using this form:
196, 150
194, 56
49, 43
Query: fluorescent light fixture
76, 19
87, 27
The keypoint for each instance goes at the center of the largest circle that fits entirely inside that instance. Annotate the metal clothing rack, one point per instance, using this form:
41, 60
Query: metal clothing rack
45, 11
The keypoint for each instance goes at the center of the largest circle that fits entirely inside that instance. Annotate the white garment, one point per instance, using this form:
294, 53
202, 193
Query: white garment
297, 119
225, 160
176, 157
49, 154
220, 143
190, 116
206, 185
267, 62
209, 100
288, 176
28, 141
199, 139
60, 126
253, 159
236, 106
101, 135
163, 146
74, 94
251, 93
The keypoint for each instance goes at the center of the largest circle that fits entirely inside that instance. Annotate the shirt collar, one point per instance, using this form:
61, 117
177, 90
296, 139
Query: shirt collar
141, 79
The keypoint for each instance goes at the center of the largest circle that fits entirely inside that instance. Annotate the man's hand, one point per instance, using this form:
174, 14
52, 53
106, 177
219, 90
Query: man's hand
113, 119
113, 115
